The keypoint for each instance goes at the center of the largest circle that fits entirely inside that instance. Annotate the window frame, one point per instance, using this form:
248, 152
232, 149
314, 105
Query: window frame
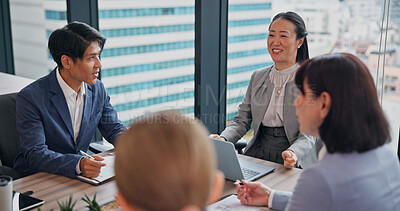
6, 53
211, 36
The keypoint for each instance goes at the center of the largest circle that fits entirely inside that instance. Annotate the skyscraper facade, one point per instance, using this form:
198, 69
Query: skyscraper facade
148, 61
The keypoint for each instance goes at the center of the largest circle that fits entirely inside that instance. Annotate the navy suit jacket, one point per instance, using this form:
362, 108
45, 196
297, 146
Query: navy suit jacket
45, 128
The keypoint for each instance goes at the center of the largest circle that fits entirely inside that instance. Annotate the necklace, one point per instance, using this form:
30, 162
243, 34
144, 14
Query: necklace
279, 91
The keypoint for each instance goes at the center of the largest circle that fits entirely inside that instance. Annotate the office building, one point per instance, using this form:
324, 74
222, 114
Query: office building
156, 39
148, 60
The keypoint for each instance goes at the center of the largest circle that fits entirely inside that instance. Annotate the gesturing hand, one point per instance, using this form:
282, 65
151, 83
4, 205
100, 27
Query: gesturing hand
253, 193
289, 158
91, 168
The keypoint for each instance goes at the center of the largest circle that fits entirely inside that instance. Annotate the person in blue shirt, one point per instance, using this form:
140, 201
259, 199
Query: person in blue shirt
338, 103
57, 115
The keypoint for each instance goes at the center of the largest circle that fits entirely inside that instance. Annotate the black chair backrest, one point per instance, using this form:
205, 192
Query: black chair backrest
9, 142
398, 146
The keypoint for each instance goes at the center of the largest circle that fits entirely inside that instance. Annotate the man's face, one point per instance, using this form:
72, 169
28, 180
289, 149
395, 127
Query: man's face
87, 69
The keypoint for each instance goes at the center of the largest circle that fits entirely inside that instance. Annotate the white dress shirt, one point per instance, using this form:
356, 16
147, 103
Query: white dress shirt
274, 115
75, 103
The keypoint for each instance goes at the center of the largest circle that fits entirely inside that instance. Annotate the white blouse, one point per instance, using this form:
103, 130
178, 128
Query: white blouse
274, 115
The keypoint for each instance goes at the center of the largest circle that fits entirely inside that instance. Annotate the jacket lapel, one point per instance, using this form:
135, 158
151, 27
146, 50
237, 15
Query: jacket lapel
289, 111
87, 109
59, 102
263, 96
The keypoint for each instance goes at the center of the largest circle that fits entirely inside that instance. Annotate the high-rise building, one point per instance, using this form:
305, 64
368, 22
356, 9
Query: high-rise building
31, 23
247, 47
148, 59
148, 62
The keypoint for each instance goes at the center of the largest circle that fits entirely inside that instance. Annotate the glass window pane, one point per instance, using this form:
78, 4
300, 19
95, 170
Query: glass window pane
391, 73
247, 38
32, 23
351, 26
148, 59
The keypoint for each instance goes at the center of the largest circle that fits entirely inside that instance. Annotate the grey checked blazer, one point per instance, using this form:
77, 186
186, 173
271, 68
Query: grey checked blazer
252, 110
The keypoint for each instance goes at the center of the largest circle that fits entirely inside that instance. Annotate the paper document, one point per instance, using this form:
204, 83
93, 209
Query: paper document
232, 203
106, 172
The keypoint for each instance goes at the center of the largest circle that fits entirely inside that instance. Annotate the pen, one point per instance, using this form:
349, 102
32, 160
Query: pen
238, 183
86, 155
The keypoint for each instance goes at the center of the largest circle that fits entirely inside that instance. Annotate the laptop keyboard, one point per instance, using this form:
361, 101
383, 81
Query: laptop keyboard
248, 173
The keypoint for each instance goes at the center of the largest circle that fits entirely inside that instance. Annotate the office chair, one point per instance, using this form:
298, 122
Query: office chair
240, 145
9, 142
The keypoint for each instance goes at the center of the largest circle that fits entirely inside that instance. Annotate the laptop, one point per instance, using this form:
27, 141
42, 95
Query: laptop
236, 168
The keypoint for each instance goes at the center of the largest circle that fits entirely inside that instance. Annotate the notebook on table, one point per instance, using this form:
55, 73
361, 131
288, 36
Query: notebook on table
106, 172
236, 168
232, 203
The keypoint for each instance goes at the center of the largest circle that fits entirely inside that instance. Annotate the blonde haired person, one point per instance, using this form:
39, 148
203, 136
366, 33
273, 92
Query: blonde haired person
166, 162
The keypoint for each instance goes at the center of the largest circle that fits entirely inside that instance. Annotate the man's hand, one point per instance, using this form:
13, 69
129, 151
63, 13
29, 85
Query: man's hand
216, 136
253, 193
91, 168
289, 158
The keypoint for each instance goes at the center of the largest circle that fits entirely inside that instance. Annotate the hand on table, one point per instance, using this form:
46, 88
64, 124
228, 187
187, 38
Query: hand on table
253, 193
91, 168
216, 136
289, 158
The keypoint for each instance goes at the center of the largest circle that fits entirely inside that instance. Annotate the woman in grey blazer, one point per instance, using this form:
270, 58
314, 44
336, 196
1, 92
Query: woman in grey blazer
338, 103
268, 102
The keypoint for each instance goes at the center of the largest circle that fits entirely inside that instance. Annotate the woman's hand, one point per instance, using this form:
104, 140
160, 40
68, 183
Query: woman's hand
216, 136
289, 158
253, 193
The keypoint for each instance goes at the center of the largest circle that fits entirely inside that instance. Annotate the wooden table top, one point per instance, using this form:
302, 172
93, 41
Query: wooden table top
53, 187
280, 179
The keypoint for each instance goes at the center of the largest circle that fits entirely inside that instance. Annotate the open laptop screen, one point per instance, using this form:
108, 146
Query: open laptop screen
235, 168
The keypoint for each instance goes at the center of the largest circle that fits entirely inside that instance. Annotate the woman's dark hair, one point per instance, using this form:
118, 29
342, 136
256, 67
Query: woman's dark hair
355, 121
72, 40
302, 52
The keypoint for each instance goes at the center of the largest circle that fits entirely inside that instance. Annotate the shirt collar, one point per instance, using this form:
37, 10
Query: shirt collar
286, 71
67, 90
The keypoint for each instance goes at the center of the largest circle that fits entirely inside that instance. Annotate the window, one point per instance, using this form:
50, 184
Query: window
333, 26
148, 60
247, 52
390, 71
32, 23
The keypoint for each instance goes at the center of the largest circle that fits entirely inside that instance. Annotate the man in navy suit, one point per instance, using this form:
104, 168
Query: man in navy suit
57, 115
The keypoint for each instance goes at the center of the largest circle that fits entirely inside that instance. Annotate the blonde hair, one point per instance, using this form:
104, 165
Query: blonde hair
165, 162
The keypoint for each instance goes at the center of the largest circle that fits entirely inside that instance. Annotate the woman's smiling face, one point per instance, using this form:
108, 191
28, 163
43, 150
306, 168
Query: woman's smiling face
283, 43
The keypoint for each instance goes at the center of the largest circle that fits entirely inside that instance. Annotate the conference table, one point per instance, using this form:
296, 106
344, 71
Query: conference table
52, 187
